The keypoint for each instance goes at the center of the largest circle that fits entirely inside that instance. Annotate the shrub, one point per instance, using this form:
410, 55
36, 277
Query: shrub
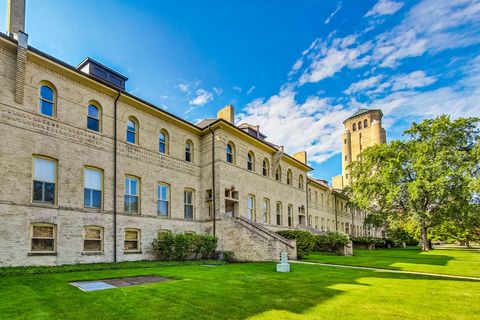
181, 247
228, 256
305, 241
331, 241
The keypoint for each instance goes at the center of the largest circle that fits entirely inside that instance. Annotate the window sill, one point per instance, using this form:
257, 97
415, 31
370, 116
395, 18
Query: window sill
92, 209
45, 205
86, 253
42, 254
132, 252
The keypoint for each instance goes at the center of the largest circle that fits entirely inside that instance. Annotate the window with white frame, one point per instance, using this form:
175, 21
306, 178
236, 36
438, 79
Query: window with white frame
188, 151
250, 161
44, 180
93, 239
131, 200
266, 210
92, 189
93, 118
47, 101
278, 213
132, 240
43, 238
290, 215
265, 168
163, 197
132, 131
163, 142
251, 207
188, 204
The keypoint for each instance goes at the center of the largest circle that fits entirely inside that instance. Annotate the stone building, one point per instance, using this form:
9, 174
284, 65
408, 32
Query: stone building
93, 173
363, 129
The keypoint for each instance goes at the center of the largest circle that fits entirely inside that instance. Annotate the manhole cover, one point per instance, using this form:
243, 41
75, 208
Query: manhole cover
118, 282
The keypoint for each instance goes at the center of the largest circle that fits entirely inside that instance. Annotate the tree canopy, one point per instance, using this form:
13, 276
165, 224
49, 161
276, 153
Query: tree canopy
427, 182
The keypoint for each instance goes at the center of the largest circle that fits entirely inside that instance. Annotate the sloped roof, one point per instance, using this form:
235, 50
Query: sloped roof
362, 111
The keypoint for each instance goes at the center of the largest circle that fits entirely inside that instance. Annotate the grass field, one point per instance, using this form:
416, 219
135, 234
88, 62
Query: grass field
464, 262
239, 291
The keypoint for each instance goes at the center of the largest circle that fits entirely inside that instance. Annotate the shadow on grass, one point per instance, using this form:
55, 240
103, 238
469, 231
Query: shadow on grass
235, 291
382, 258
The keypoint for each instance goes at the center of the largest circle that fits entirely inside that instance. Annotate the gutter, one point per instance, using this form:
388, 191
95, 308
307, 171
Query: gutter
119, 93
214, 208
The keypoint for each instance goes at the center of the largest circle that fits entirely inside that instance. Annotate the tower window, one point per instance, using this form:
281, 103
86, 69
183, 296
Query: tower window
354, 127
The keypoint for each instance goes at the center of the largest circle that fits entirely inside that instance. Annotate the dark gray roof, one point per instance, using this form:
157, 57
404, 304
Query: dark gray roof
362, 111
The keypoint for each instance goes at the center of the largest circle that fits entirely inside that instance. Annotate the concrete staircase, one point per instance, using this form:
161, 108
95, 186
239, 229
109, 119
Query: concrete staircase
250, 241
309, 229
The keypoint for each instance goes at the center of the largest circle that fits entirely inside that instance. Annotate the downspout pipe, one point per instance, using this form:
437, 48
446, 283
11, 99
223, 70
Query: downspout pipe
306, 202
335, 208
115, 141
214, 208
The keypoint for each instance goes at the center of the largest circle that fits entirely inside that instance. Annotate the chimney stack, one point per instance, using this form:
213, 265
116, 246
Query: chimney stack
16, 17
227, 113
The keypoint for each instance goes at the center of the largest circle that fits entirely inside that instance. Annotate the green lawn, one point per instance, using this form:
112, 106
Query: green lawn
239, 291
463, 262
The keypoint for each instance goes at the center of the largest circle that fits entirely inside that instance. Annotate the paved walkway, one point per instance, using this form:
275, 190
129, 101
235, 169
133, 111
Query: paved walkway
388, 270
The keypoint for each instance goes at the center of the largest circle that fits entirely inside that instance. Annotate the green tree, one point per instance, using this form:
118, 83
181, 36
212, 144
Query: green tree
425, 178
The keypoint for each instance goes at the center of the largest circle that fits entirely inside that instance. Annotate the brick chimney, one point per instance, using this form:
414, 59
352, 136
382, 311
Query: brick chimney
16, 28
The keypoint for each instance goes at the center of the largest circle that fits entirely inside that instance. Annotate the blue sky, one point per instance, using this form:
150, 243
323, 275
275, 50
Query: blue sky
296, 68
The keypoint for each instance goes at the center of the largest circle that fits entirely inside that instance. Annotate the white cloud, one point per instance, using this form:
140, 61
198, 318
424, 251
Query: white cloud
237, 89
384, 7
183, 87
314, 125
202, 97
415, 79
250, 90
363, 84
430, 26
218, 91
330, 17
331, 58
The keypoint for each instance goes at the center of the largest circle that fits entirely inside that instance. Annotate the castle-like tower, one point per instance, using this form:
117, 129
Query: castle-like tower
363, 129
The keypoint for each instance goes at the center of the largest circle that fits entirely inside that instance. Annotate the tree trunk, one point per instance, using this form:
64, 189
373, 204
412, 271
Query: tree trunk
424, 240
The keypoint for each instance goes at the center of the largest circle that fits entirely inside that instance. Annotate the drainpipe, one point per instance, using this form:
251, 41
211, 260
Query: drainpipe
306, 208
115, 177
214, 208
335, 208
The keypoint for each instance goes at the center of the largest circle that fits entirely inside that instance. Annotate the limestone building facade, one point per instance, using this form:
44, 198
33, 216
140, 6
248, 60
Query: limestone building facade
93, 173
362, 130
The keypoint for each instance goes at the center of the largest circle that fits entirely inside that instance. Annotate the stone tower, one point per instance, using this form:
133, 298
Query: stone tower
363, 129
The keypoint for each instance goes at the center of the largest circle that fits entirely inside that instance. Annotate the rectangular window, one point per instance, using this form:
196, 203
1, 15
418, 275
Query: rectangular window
43, 238
93, 239
188, 204
131, 194
279, 213
92, 191
132, 240
251, 207
163, 196
290, 215
266, 210
44, 180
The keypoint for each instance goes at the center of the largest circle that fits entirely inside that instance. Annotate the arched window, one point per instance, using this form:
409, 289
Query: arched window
230, 153
132, 131
189, 151
163, 142
47, 100
354, 127
278, 174
250, 161
93, 118
300, 182
359, 125
265, 168
365, 123
289, 177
